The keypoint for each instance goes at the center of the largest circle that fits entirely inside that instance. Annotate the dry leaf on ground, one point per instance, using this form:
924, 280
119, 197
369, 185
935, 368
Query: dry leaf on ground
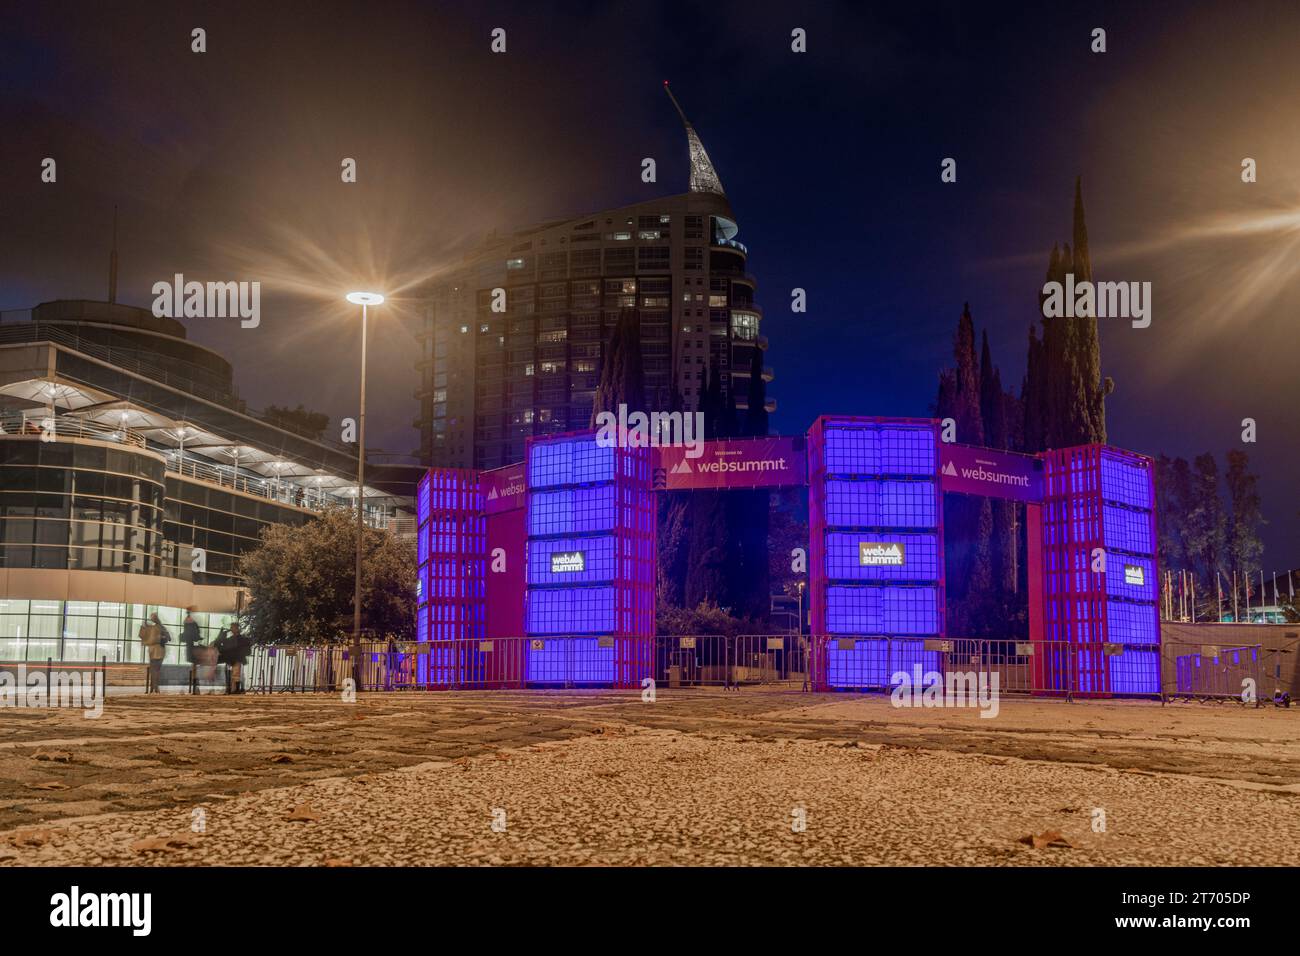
58, 756
303, 812
1048, 838
162, 844
31, 837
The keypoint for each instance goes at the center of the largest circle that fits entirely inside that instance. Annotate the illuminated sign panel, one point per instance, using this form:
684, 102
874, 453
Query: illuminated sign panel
503, 488
877, 554
565, 561
991, 473
770, 462
1133, 574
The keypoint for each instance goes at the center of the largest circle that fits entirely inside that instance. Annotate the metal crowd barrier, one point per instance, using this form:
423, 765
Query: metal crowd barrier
822, 662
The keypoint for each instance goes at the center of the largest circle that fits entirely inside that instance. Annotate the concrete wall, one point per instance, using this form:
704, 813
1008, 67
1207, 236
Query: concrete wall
30, 584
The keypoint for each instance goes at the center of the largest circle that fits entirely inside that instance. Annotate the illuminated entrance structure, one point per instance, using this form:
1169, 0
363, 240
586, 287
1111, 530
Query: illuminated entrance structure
876, 557
568, 541
590, 606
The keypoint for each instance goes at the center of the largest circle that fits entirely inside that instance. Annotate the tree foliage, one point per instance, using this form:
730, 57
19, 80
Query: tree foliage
1209, 524
1245, 516
300, 580
622, 375
300, 420
1065, 393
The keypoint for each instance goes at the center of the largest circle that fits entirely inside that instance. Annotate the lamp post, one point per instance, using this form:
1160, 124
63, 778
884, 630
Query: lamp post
365, 300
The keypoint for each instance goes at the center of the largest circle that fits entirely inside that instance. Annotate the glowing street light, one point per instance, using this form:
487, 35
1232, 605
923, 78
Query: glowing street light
365, 300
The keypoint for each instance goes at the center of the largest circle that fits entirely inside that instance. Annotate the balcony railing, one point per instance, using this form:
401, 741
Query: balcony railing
37, 422
120, 357
719, 242
24, 332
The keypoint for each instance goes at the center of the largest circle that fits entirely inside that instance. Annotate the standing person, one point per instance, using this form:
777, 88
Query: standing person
243, 646
226, 645
189, 637
151, 636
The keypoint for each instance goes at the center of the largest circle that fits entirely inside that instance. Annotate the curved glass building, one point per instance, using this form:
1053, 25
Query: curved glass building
132, 479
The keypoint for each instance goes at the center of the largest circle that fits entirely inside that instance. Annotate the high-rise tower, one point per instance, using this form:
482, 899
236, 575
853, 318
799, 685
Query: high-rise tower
499, 367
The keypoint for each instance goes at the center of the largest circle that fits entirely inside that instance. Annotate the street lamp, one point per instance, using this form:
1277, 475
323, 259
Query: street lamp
365, 300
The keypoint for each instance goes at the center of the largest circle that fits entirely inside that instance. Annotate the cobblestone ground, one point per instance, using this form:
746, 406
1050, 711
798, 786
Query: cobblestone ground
603, 778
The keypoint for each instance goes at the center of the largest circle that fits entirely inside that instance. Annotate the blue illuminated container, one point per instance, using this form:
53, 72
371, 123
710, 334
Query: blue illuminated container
590, 562
876, 556
1100, 500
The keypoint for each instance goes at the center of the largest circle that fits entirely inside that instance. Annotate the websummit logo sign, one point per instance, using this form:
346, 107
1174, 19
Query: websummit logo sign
874, 554
563, 562
769, 462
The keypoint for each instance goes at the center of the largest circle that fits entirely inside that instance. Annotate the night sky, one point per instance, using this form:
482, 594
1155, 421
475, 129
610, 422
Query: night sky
225, 165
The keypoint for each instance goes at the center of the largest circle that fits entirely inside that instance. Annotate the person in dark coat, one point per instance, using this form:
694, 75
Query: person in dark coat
243, 647
226, 645
233, 650
190, 635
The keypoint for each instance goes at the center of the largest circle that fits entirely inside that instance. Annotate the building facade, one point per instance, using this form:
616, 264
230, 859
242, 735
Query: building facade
513, 339
132, 479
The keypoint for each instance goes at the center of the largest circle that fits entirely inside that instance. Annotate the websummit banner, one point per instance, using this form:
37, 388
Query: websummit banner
986, 471
774, 462
503, 488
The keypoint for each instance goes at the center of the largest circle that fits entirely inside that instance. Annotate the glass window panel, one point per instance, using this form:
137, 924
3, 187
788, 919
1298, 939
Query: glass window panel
110, 628
39, 649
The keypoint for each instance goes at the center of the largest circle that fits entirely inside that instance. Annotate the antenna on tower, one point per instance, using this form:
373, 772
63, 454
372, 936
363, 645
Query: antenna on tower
112, 263
704, 178
680, 113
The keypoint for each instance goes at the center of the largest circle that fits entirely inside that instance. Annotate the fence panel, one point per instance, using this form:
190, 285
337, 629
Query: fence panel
1040, 668
823, 662
1211, 671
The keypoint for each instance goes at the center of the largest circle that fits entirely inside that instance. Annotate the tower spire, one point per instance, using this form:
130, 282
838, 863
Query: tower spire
704, 178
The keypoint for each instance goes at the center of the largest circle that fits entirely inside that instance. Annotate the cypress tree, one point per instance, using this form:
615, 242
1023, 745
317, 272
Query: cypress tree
967, 520
751, 513
672, 530
1065, 391
622, 376
707, 578
1002, 542
970, 425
